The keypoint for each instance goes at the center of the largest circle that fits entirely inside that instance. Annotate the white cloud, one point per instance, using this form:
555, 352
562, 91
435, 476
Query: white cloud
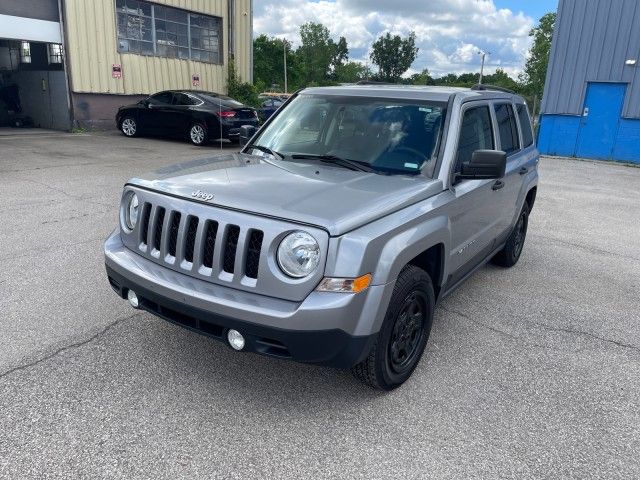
449, 32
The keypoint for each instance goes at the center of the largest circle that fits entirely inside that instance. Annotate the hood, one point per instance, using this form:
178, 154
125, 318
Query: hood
333, 198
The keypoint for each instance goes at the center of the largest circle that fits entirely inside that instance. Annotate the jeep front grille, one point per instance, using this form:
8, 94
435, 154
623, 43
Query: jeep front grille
187, 242
222, 246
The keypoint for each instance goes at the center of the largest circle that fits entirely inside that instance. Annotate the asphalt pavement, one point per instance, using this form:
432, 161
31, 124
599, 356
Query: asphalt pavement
532, 372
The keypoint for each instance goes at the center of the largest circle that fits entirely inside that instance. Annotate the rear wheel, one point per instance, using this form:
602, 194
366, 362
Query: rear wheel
198, 134
510, 254
404, 333
129, 127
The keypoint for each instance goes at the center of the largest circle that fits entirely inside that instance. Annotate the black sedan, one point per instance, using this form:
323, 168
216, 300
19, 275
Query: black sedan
198, 116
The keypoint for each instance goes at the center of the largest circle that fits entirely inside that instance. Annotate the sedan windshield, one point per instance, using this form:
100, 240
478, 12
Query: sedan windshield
384, 135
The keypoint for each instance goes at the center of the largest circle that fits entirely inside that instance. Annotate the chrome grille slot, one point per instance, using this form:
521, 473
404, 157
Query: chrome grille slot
157, 235
173, 232
192, 228
210, 233
230, 248
254, 246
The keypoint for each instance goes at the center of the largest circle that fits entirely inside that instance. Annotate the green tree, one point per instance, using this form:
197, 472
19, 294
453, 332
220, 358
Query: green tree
318, 54
351, 72
394, 55
241, 91
535, 70
268, 62
501, 79
422, 78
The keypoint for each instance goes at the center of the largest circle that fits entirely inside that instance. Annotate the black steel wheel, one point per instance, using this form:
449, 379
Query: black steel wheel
404, 332
407, 332
510, 254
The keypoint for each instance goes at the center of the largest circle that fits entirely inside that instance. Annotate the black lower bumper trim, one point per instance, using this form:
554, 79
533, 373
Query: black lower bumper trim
333, 348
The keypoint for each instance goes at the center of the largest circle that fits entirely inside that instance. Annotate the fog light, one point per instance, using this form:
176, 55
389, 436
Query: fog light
236, 340
133, 299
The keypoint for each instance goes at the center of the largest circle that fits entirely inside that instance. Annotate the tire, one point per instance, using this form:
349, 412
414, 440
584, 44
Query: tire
198, 134
510, 254
129, 127
401, 342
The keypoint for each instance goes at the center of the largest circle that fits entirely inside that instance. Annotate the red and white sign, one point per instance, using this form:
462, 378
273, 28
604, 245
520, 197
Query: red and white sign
116, 70
195, 79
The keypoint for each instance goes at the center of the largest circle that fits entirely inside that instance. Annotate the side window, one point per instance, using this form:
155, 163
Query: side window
525, 125
161, 98
507, 128
183, 99
476, 133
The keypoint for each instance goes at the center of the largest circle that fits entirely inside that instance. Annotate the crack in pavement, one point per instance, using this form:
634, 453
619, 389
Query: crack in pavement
29, 251
590, 249
586, 334
546, 327
67, 194
71, 346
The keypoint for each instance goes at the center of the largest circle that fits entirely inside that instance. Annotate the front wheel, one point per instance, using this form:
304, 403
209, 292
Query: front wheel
510, 254
404, 333
198, 134
129, 127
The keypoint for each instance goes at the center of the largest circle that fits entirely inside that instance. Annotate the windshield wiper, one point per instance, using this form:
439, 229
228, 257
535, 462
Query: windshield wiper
267, 150
343, 162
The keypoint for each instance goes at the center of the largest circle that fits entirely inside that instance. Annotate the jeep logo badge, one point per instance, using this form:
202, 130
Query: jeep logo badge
202, 195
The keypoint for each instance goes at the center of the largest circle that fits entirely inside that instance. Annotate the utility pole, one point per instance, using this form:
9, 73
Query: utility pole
286, 86
483, 54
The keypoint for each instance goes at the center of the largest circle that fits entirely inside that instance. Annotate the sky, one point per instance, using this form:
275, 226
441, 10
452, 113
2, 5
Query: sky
450, 33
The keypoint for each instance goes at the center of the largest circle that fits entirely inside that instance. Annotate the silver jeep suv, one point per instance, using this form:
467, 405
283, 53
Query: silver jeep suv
330, 238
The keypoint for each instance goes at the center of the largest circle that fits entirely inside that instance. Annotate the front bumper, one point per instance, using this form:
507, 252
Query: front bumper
332, 329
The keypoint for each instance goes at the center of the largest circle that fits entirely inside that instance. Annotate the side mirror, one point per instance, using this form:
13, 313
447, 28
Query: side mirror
246, 133
484, 165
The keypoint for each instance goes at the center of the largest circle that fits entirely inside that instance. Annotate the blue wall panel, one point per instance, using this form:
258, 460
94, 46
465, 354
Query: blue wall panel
627, 146
558, 135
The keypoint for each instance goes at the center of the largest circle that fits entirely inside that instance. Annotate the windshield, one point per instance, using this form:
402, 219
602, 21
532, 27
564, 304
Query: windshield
388, 135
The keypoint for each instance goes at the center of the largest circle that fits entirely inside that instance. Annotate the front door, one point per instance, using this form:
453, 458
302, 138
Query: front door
476, 212
600, 120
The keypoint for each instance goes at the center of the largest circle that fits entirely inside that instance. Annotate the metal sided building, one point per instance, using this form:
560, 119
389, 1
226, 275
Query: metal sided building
591, 103
88, 57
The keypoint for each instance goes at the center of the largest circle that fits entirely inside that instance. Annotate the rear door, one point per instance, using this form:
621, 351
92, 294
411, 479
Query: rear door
509, 141
475, 212
182, 114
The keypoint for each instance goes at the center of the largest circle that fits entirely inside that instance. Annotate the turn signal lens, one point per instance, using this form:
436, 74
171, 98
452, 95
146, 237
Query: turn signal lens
345, 285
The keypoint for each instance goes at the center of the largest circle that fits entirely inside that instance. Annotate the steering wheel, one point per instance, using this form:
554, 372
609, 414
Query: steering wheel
410, 150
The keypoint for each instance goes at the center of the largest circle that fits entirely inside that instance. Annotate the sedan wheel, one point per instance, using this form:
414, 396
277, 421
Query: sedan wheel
129, 127
198, 134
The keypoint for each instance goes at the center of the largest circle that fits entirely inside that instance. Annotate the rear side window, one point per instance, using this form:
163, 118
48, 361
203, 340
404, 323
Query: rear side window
507, 128
184, 99
161, 98
476, 133
525, 125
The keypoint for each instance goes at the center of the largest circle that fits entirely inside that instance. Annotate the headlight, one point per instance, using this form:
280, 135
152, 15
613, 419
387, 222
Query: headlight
298, 254
131, 210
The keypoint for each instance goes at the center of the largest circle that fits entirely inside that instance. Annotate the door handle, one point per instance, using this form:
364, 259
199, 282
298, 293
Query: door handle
498, 185
523, 171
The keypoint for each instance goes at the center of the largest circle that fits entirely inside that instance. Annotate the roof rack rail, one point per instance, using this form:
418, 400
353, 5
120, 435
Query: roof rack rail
482, 86
373, 82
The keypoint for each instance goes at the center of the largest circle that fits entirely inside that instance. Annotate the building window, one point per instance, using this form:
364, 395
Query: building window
148, 29
25, 52
55, 53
